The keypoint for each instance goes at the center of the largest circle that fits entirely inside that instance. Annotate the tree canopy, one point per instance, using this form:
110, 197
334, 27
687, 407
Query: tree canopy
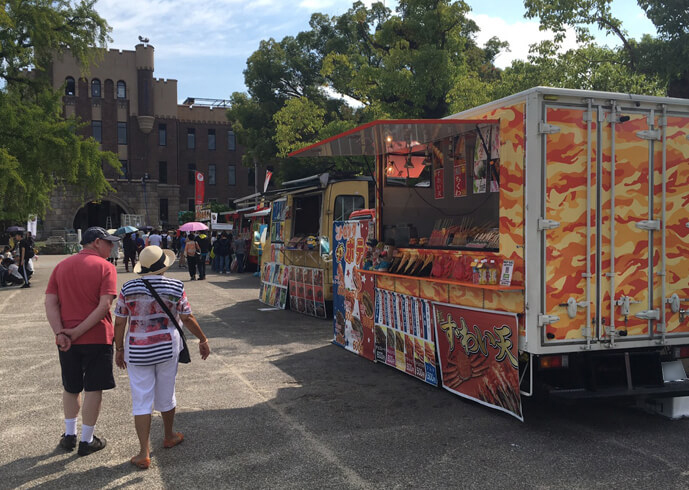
365, 64
39, 149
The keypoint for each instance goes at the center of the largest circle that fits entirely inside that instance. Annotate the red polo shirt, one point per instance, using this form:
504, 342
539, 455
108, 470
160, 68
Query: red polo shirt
79, 281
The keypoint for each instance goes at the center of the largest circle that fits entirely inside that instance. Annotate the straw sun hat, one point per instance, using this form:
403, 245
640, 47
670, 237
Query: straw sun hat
154, 260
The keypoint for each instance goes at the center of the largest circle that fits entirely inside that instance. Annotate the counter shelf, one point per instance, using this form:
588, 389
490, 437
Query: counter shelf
491, 287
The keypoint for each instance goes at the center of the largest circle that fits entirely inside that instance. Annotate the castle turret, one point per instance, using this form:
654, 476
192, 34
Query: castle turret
144, 74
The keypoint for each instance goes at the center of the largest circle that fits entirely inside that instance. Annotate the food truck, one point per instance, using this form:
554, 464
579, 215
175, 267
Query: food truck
296, 256
538, 244
252, 214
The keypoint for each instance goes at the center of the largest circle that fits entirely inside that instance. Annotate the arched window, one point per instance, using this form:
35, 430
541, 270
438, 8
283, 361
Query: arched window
95, 88
121, 90
70, 88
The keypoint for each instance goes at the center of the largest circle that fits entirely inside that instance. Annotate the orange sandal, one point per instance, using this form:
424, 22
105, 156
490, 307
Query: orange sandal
172, 443
141, 463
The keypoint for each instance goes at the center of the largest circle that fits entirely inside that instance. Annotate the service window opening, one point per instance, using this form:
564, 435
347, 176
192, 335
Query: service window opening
307, 215
445, 194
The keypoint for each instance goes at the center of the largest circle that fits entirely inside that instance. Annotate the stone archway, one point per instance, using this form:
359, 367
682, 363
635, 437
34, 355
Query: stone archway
96, 213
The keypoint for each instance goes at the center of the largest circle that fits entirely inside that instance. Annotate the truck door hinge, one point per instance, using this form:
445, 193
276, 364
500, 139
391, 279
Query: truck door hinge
648, 224
648, 315
545, 128
547, 319
547, 224
650, 134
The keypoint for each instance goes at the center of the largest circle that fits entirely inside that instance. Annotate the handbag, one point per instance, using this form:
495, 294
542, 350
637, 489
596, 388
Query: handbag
184, 356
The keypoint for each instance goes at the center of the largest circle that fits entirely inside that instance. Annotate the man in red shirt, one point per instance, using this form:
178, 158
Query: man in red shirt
80, 292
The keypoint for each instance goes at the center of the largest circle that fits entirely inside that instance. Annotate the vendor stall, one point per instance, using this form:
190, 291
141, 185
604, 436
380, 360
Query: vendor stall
514, 285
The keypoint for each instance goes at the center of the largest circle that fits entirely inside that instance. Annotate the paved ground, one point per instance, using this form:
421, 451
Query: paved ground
277, 406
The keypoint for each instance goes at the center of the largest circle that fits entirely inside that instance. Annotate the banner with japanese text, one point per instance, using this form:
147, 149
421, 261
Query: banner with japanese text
478, 355
352, 289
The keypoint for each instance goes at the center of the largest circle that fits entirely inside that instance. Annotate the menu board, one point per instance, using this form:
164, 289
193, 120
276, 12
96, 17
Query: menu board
274, 282
404, 334
306, 291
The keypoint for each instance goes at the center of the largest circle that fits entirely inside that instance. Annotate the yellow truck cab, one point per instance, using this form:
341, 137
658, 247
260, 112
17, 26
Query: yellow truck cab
301, 228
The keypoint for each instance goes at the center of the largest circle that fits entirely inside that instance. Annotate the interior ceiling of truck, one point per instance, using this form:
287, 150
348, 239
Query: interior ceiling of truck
391, 136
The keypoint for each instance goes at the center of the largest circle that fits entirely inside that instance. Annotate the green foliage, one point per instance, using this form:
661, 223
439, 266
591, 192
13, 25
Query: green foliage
186, 217
38, 148
662, 60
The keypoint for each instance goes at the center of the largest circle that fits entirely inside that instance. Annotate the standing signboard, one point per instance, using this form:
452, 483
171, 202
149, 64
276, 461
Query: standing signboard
477, 351
352, 289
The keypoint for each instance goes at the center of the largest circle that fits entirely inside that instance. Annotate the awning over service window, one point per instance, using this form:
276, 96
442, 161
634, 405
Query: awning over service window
392, 136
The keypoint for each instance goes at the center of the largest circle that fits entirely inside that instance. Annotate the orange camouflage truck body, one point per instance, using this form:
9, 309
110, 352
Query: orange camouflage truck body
594, 211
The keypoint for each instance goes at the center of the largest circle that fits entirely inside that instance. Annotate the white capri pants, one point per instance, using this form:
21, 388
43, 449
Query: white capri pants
153, 387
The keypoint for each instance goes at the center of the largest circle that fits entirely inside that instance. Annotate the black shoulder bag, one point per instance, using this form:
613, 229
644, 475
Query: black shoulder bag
184, 356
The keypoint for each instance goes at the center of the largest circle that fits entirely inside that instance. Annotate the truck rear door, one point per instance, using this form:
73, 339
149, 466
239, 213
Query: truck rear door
628, 270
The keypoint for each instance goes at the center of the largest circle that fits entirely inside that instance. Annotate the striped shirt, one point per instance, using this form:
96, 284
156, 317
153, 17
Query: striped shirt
152, 337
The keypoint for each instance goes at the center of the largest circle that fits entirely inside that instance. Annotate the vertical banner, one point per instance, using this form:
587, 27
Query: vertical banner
477, 351
438, 183
199, 189
353, 289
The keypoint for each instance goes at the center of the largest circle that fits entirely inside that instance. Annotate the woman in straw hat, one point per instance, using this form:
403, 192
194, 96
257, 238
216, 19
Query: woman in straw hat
152, 345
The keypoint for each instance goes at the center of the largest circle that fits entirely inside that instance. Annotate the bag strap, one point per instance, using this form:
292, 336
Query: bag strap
164, 306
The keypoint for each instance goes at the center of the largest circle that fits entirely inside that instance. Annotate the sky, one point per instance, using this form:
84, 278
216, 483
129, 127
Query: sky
204, 45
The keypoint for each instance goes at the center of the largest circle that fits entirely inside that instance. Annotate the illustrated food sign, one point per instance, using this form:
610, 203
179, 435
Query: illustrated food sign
477, 350
404, 334
306, 291
353, 289
274, 282
279, 214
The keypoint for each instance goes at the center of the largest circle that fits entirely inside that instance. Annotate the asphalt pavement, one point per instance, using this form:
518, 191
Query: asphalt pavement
276, 405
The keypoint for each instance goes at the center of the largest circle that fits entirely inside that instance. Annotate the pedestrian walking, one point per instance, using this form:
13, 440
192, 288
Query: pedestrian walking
151, 348
115, 254
239, 251
26, 252
222, 252
129, 247
154, 239
192, 252
80, 292
204, 242
182, 253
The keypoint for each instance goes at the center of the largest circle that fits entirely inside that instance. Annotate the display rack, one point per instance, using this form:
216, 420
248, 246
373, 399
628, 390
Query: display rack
491, 287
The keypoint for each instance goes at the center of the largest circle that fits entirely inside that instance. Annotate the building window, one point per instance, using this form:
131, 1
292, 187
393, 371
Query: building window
162, 134
121, 90
121, 133
192, 173
191, 138
211, 174
70, 88
190, 203
163, 211
95, 88
97, 131
125, 170
251, 178
231, 175
211, 139
162, 172
231, 143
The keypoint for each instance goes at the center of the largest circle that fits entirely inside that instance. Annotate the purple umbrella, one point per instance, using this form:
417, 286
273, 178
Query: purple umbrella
193, 226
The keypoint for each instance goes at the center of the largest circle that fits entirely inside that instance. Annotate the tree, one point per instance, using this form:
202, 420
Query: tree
665, 57
38, 148
387, 65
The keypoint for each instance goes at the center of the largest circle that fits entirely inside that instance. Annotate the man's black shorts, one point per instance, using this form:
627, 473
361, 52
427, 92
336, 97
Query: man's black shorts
87, 367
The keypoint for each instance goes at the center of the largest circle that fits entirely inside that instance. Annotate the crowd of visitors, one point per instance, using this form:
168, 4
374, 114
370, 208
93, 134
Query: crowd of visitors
17, 264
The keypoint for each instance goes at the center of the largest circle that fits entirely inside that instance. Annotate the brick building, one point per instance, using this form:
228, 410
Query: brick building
159, 142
